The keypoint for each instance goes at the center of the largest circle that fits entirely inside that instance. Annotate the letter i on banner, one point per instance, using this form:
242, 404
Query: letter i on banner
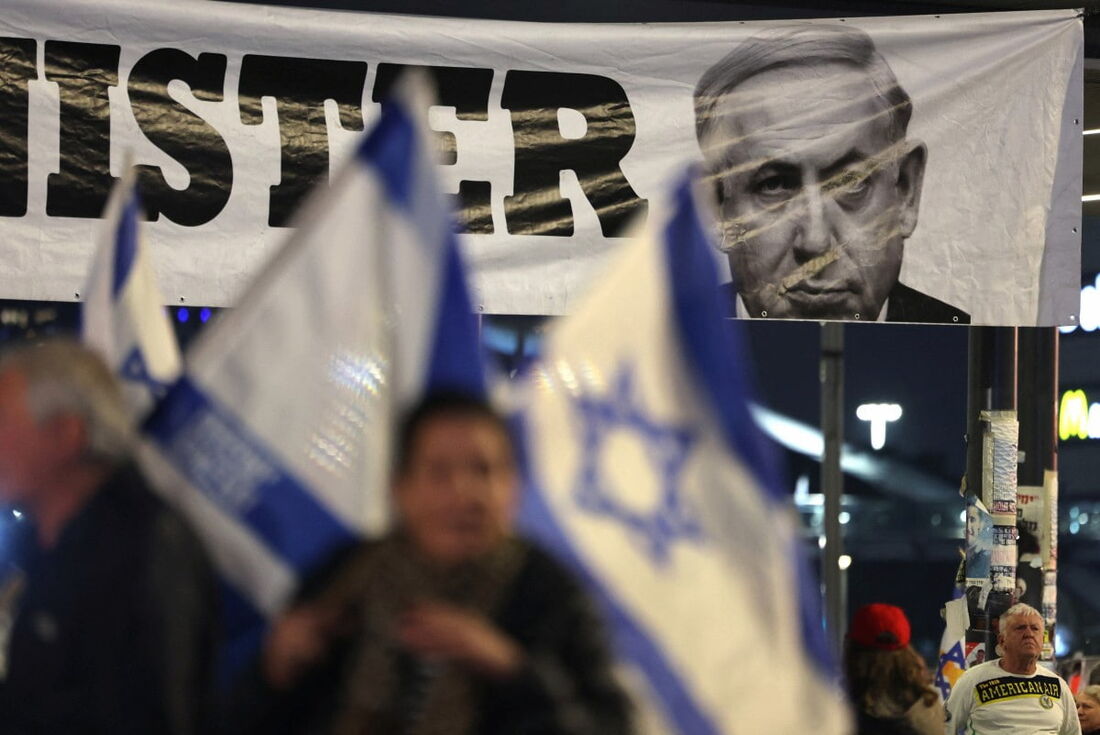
648, 475
123, 316
276, 439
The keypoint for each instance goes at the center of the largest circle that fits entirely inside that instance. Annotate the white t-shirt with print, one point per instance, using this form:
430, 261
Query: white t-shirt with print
987, 700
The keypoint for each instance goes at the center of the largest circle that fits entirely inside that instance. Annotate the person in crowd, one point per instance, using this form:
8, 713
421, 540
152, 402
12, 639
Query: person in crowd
803, 131
1013, 694
115, 626
888, 682
1088, 710
451, 623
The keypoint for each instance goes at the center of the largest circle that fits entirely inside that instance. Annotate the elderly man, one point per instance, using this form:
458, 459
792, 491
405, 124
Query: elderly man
114, 630
803, 130
1013, 695
449, 625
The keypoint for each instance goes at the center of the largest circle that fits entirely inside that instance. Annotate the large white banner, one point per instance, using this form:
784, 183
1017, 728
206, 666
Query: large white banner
906, 169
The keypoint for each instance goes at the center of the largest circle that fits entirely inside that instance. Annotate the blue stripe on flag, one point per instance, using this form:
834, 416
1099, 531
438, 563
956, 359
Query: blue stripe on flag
456, 358
630, 640
222, 459
390, 148
126, 242
716, 353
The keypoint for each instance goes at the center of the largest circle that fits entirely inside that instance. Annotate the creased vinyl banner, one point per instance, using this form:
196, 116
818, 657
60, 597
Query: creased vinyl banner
919, 169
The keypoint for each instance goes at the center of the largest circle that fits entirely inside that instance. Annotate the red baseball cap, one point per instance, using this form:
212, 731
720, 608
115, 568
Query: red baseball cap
880, 626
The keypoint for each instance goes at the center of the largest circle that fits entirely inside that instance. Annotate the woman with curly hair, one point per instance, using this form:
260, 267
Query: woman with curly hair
888, 682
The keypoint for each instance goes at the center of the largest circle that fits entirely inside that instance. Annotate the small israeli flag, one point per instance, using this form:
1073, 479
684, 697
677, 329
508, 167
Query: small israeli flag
952, 661
276, 439
650, 476
123, 316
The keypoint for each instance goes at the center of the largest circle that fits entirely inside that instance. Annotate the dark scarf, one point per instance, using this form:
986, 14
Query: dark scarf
387, 690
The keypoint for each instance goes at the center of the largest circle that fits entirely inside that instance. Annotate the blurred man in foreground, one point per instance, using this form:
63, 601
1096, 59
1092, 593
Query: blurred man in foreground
114, 629
1013, 695
451, 624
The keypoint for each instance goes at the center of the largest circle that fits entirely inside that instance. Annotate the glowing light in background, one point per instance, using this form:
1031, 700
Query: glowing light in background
1061, 643
878, 415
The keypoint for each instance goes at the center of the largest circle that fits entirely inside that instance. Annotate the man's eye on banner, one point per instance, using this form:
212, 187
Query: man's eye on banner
804, 133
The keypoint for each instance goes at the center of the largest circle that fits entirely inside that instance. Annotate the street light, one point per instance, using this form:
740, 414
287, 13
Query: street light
878, 415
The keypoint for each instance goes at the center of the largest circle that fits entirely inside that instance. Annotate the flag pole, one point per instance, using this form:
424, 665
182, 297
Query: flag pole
832, 480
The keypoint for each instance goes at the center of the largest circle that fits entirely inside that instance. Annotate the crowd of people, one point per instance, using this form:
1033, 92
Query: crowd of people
450, 624
892, 693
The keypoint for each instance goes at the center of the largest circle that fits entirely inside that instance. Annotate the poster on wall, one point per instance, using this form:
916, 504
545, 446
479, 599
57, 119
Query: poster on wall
904, 169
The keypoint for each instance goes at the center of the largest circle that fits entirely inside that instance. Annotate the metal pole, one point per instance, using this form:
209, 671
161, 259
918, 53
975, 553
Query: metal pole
1047, 450
832, 481
979, 368
1028, 402
978, 397
1051, 347
1003, 395
991, 383
1050, 487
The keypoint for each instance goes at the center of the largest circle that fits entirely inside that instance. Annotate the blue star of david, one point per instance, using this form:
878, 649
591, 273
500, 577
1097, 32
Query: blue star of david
953, 654
135, 370
669, 520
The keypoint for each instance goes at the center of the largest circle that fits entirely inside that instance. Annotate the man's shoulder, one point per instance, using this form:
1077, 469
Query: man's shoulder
544, 586
1041, 670
130, 502
907, 304
146, 532
977, 674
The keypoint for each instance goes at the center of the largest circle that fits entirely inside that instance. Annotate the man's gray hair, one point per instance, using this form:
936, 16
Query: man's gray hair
808, 44
65, 377
1020, 610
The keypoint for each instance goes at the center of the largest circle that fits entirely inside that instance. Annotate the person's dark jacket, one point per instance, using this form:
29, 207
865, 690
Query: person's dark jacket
566, 688
870, 725
115, 628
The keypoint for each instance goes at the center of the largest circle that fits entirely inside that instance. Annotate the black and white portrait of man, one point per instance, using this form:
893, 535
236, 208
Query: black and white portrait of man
804, 134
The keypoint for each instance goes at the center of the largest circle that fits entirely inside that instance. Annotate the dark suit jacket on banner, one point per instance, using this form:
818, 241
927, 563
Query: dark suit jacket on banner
903, 305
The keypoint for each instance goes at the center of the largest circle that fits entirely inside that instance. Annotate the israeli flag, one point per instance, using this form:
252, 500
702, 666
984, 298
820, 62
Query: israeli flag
650, 476
952, 661
276, 439
123, 316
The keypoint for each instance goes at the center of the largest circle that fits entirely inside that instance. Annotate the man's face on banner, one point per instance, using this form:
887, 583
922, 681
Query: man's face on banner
816, 197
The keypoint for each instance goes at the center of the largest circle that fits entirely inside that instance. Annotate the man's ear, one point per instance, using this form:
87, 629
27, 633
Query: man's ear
910, 181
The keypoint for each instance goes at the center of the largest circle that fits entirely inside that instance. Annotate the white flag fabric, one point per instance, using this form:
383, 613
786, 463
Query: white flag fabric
276, 439
650, 476
123, 317
952, 662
